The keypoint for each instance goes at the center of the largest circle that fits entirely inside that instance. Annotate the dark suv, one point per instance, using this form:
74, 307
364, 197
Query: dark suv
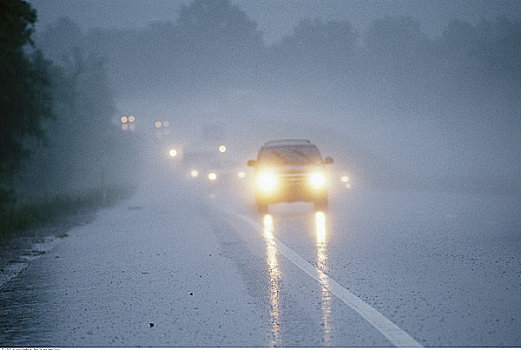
290, 170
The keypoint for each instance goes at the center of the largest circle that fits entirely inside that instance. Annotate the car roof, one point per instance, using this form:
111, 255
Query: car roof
287, 142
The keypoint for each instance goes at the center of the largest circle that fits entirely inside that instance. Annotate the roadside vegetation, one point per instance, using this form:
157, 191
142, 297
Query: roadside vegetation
60, 152
18, 218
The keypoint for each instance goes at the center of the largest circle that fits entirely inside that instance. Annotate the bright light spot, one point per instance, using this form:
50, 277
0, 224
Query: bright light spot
274, 280
241, 174
166, 123
158, 124
320, 226
222, 148
325, 295
194, 173
344, 178
212, 176
124, 119
317, 180
267, 181
131, 119
268, 226
348, 186
172, 152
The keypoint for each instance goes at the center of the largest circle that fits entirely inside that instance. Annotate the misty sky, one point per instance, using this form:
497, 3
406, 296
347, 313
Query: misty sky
277, 18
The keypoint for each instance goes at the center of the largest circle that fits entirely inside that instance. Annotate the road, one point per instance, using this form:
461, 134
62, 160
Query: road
184, 265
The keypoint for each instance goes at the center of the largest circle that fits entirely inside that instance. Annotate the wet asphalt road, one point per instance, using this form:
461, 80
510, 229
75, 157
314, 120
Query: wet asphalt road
177, 265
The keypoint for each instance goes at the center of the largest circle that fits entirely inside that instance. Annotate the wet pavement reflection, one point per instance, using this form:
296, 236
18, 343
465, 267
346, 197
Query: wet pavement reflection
319, 231
274, 280
325, 305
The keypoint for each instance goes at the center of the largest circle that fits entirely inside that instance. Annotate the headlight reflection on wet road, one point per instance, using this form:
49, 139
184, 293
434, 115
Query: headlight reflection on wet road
274, 280
325, 295
275, 277
329, 286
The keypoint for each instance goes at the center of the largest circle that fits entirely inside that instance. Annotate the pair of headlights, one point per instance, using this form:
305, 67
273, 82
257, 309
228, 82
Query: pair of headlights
268, 181
211, 176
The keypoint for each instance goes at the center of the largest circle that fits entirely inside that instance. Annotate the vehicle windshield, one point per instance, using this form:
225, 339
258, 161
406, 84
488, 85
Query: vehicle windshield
290, 155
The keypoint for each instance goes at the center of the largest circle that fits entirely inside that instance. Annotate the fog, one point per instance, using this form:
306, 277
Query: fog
395, 106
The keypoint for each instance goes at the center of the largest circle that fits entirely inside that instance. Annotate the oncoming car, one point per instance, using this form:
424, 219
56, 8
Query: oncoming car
200, 162
209, 164
290, 170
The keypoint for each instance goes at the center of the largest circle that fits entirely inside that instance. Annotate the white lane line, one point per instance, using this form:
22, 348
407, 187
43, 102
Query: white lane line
387, 328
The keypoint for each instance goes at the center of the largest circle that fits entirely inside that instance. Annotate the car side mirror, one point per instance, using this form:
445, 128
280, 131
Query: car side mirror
252, 162
328, 160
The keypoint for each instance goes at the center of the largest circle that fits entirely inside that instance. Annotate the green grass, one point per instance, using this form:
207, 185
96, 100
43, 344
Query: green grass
17, 218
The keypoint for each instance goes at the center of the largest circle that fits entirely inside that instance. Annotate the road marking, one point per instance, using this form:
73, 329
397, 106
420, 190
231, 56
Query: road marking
387, 328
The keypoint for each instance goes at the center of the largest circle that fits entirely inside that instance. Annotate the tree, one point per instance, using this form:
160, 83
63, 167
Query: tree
218, 46
25, 98
59, 39
318, 48
210, 20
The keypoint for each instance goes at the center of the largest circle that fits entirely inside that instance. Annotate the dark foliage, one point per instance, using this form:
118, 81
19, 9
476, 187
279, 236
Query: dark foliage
25, 97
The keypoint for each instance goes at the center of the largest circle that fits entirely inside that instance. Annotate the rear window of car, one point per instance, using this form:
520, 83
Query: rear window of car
290, 155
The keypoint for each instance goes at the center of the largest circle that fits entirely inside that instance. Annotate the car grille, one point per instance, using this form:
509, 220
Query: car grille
293, 178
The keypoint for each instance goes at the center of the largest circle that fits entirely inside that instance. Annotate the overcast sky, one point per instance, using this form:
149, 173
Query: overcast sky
277, 18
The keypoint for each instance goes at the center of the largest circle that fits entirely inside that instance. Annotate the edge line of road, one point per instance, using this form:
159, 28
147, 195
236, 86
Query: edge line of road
386, 327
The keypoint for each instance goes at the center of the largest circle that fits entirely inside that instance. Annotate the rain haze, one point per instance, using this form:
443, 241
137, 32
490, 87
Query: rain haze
388, 213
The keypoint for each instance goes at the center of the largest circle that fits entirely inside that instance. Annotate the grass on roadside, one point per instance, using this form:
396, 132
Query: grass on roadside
20, 217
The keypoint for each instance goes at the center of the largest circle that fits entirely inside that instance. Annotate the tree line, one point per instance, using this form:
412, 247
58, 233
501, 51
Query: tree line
64, 94
465, 82
213, 45
56, 134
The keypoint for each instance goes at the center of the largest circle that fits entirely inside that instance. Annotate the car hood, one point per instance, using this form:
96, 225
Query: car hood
298, 169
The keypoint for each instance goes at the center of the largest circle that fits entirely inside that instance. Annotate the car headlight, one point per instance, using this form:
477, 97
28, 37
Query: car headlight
267, 181
317, 181
212, 176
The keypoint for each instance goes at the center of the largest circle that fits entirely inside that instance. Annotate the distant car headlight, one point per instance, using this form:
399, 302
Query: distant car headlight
267, 181
194, 173
212, 176
317, 181
172, 152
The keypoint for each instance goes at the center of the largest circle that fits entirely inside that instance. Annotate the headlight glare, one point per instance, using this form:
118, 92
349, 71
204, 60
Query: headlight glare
267, 181
317, 181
